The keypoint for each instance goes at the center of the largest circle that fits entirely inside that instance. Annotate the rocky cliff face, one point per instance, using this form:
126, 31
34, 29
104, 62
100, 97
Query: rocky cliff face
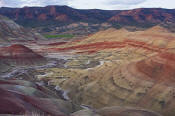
54, 14
60, 15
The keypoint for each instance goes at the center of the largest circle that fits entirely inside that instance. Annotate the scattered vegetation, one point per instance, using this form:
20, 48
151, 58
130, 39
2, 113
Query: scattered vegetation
59, 36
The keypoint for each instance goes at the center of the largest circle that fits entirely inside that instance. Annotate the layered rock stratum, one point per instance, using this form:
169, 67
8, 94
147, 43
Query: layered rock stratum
18, 55
133, 69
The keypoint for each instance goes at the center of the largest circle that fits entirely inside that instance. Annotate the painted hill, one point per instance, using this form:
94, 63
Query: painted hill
134, 69
26, 98
11, 32
153, 39
20, 55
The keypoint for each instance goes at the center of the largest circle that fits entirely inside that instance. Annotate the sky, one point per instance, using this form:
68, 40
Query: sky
93, 4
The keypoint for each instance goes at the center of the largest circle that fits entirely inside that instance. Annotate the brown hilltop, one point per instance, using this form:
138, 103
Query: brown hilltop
19, 97
143, 16
18, 51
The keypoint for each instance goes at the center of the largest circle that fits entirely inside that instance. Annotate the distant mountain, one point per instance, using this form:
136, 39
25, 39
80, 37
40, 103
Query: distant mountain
37, 16
60, 15
10, 31
144, 16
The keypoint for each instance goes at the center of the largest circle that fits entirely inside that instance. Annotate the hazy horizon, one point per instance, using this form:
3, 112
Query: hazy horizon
87, 8
92, 4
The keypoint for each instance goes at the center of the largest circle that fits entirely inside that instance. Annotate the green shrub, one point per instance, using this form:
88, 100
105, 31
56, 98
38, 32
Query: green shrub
59, 36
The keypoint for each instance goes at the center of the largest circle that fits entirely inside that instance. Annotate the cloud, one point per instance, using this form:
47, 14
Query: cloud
92, 4
157, 4
87, 4
104, 4
22, 3
1, 3
125, 2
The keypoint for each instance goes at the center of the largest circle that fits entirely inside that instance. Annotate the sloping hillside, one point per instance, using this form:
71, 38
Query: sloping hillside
20, 55
30, 99
17, 55
11, 32
133, 69
154, 39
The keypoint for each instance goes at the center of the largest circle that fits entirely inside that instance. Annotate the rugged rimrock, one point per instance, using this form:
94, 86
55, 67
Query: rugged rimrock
60, 15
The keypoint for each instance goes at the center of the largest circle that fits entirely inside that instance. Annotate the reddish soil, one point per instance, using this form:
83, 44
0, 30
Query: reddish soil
95, 47
57, 43
10, 104
160, 70
168, 56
